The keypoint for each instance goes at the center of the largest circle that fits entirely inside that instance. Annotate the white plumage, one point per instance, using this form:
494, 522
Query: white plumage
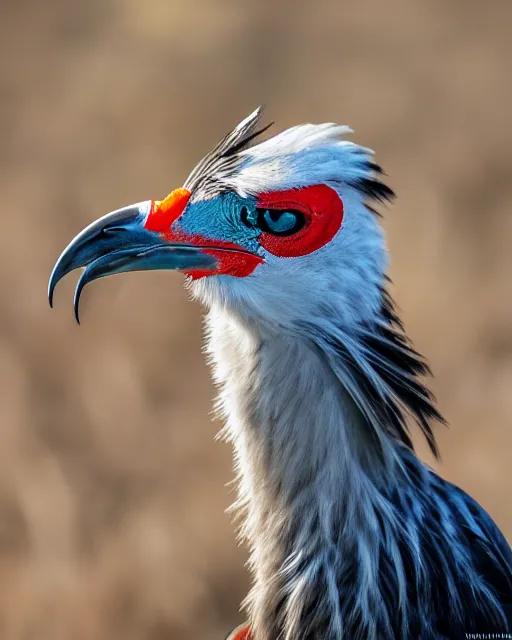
350, 535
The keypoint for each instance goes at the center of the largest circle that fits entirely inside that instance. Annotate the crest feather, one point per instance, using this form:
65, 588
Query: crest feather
301, 156
222, 159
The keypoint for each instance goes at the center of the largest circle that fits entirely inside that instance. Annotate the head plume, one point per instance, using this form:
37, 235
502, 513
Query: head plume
304, 155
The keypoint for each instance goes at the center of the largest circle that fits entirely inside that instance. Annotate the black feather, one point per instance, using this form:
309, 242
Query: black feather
373, 189
222, 159
396, 389
245, 142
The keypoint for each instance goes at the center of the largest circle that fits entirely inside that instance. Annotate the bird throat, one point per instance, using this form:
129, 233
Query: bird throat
307, 472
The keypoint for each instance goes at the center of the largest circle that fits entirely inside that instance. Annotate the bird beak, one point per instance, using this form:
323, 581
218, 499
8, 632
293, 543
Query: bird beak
119, 242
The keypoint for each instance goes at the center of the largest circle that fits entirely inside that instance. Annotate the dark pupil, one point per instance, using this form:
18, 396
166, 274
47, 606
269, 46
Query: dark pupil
274, 221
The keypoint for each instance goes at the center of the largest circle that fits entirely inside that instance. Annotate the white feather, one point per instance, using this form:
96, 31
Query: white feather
304, 155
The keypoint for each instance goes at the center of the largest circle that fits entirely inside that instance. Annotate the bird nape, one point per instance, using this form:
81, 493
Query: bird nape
350, 534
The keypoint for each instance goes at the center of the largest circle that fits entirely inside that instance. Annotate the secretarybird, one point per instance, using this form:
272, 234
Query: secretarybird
351, 536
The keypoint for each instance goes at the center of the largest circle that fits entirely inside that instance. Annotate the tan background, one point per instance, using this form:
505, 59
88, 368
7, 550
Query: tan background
111, 487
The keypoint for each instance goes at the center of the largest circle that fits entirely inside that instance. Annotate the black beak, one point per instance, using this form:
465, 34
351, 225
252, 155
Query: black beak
118, 243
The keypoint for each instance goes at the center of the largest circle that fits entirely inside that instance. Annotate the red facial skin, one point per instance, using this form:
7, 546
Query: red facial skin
321, 205
241, 633
323, 210
164, 212
236, 262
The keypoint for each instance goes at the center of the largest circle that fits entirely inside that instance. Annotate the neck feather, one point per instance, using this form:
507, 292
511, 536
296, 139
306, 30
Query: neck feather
313, 457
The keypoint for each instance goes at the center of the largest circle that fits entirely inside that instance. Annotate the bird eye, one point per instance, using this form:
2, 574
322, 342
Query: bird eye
280, 223
277, 222
298, 221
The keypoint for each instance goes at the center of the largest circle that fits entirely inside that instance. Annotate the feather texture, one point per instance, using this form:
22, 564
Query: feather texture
350, 534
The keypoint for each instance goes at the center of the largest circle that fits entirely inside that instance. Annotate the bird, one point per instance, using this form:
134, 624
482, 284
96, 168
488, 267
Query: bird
350, 535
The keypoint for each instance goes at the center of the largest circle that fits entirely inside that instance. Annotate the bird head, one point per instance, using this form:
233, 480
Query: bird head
275, 230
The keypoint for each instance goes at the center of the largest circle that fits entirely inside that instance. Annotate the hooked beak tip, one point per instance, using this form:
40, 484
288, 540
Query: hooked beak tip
52, 283
83, 280
76, 303
58, 272
91, 243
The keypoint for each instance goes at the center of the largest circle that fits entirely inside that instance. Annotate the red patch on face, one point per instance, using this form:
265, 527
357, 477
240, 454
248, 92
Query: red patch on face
241, 633
163, 213
323, 211
235, 261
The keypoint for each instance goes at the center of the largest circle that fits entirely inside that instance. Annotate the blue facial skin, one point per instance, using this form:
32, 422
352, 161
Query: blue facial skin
221, 219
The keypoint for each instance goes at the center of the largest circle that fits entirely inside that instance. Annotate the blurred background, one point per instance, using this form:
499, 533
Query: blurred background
112, 490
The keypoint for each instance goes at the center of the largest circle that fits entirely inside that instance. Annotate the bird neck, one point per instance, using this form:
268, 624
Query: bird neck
309, 471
